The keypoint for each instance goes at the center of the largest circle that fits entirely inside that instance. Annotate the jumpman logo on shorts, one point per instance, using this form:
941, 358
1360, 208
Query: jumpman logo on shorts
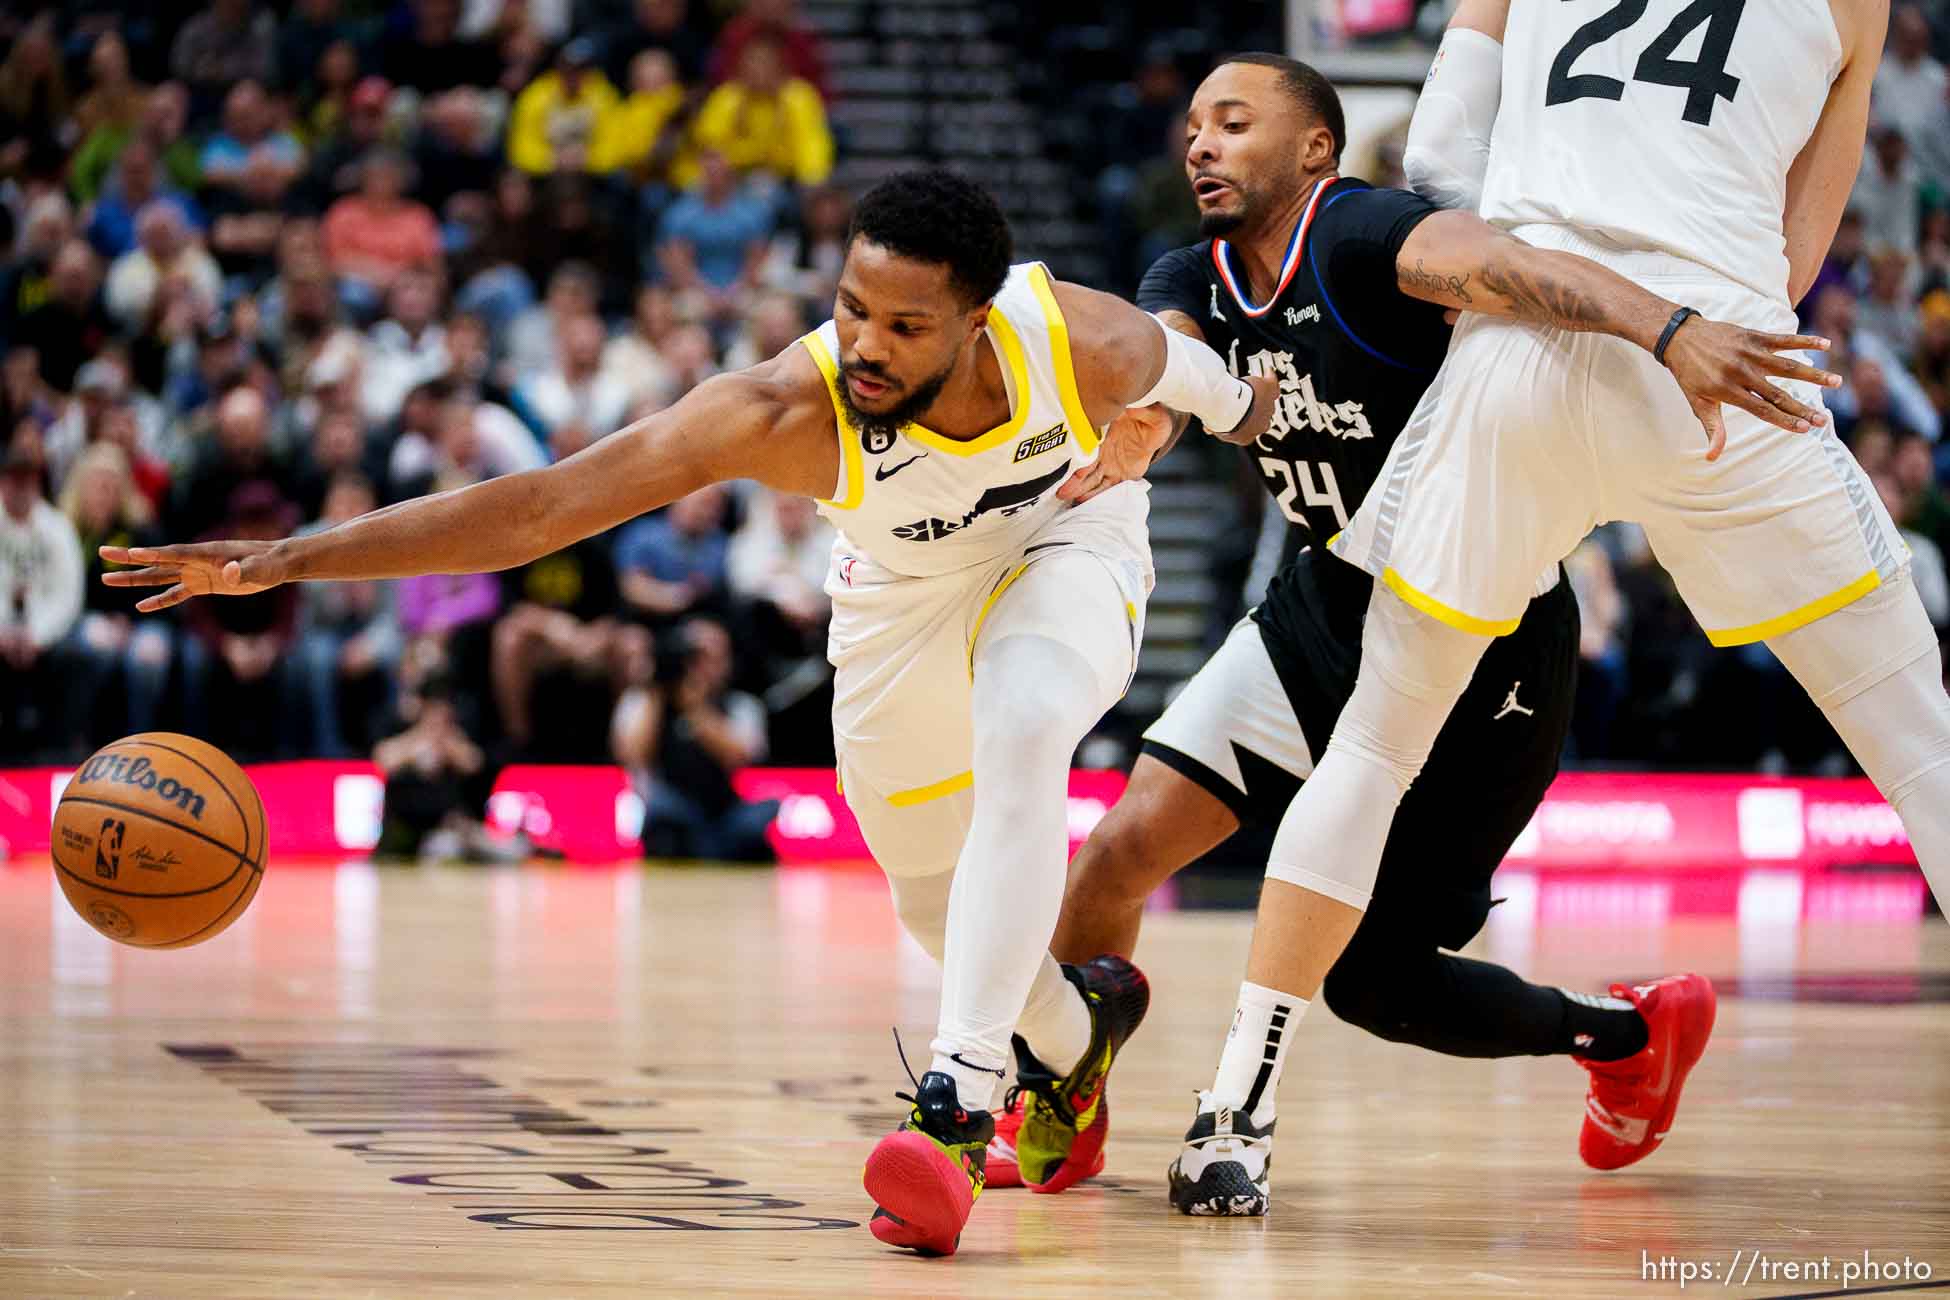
1510, 705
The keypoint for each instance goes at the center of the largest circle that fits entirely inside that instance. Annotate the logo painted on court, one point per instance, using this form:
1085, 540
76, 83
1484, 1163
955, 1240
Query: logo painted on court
432, 1121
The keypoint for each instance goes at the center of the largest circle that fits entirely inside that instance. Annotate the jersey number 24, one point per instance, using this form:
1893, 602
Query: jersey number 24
1327, 494
1705, 79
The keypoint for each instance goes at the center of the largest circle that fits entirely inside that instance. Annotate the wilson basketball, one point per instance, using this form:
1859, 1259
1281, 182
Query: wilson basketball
158, 841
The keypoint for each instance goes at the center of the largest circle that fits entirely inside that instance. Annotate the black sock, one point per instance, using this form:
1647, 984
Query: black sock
1600, 1029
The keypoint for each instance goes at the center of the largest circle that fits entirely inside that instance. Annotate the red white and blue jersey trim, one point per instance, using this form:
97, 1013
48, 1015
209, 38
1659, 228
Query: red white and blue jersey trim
1222, 258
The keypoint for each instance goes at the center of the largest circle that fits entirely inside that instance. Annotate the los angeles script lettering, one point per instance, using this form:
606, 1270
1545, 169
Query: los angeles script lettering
503, 1158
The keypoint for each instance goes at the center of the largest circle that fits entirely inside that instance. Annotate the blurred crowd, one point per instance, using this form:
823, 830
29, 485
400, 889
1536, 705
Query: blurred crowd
263, 269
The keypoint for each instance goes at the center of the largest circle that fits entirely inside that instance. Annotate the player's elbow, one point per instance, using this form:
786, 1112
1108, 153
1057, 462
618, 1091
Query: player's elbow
1432, 175
1801, 279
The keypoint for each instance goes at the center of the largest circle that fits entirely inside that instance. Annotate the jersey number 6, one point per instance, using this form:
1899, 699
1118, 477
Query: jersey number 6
1705, 79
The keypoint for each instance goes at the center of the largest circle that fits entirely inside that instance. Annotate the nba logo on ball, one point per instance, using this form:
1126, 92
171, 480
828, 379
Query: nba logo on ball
184, 816
108, 848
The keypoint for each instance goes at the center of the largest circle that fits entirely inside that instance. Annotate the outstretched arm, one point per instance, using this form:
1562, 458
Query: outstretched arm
772, 422
1458, 260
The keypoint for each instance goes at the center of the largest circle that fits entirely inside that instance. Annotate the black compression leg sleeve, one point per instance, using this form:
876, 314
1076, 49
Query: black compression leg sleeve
1397, 985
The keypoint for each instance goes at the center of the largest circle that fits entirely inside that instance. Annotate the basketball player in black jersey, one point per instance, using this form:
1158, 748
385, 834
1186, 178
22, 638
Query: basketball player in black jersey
1314, 277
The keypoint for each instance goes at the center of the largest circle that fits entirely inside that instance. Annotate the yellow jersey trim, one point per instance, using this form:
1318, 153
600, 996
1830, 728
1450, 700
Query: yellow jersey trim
982, 615
1441, 613
929, 793
1010, 344
1066, 372
1801, 617
852, 471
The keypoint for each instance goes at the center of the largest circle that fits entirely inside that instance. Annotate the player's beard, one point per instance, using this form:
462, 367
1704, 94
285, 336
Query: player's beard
887, 423
1217, 225
1252, 202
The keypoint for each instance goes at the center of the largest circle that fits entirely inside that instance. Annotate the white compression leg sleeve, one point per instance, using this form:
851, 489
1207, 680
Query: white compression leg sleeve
1052, 657
1413, 669
1054, 1019
1873, 668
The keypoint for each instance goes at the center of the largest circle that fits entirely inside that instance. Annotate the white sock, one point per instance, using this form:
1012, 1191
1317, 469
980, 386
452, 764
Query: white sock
1263, 1027
976, 1079
1055, 1022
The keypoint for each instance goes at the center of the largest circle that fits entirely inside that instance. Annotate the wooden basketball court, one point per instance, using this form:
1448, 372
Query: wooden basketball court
561, 1081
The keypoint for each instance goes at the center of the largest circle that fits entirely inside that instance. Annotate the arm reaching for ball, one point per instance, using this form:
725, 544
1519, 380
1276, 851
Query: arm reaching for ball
772, 422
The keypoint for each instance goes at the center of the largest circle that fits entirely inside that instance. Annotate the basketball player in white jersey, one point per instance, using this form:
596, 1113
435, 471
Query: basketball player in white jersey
1716, 180
980, 627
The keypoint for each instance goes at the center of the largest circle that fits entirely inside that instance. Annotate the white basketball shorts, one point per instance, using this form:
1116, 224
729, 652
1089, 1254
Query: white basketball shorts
1530, 437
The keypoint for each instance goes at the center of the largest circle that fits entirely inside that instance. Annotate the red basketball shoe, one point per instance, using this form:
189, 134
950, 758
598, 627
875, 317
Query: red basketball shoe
1002, 1168
1065, 1119
1629, 1110
924, 1177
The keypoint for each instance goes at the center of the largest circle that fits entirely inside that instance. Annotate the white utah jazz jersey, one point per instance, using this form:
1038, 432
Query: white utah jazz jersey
1662, 124
919, 504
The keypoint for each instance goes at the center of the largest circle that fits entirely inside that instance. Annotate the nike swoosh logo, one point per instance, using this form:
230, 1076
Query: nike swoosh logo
881, 472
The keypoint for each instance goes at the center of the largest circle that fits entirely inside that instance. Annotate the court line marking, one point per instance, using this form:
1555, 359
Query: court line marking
1865, 1290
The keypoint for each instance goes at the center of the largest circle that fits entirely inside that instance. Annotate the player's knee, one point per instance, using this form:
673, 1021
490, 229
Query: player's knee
1027, 700
1367, 992
1112, 868
921, 904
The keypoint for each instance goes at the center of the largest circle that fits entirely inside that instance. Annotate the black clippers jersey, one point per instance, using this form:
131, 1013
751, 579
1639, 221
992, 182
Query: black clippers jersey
1353, 354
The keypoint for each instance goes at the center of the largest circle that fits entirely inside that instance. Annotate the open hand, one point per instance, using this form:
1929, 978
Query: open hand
1717, 363
1130, 445
203, 569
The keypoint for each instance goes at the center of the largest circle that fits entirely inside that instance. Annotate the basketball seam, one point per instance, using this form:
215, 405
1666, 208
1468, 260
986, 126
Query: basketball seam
243, 895
200, 766
130, 893
242, 857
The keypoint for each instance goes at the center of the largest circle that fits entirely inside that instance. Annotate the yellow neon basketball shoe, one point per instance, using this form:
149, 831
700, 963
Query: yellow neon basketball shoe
1065, 1119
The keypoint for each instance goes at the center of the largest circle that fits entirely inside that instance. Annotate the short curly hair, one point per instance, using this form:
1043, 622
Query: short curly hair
934, 215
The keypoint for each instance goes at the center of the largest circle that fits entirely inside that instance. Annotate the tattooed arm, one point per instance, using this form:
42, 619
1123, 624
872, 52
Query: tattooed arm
1458, 260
